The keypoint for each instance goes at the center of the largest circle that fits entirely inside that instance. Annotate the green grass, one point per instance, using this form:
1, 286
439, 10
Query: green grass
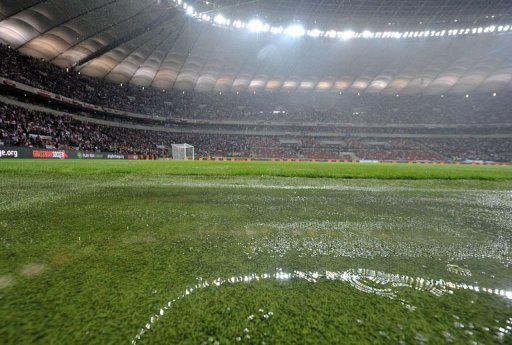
90, 250
261, 168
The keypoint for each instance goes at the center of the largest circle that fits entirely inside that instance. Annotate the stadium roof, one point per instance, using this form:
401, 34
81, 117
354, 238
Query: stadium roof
154, 43
365, 14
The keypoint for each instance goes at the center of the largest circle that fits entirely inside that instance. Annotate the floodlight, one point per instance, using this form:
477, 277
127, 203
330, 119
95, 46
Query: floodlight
331, 34
315, 33
295, 30
346, 35
238, 24
257, 25
367, 34
220, 19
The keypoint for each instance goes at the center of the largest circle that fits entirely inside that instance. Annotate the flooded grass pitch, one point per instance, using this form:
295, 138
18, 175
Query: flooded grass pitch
149, 258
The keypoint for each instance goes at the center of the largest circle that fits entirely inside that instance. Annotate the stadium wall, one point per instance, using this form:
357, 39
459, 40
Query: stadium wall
7, 152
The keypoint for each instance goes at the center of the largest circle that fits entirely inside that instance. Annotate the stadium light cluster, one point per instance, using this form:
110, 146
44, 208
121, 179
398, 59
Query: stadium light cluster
297, 30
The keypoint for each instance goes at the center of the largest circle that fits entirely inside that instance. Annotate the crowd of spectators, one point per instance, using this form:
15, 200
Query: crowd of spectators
471, 149
328, 107
23, 127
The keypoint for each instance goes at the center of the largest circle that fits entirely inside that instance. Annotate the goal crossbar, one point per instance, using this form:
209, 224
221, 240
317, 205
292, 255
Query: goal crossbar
182, 152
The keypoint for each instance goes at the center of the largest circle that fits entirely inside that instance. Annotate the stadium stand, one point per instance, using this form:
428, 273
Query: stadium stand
323, 126
22, 126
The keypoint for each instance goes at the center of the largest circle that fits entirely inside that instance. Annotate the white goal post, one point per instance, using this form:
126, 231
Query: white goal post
182, 152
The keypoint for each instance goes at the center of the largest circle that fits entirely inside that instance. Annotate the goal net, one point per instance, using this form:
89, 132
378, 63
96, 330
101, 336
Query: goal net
182, 152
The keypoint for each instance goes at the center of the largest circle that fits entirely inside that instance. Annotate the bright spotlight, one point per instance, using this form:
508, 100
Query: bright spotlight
257, 25
367, 34
190, 10
295, 30
220, 19
346, 35
315, 33
331, 33
238, 24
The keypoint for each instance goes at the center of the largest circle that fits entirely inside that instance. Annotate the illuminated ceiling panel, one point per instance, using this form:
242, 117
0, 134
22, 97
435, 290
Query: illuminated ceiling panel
325, 84
274, 84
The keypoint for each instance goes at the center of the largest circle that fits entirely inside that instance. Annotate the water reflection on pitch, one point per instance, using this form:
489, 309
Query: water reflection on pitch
369, 281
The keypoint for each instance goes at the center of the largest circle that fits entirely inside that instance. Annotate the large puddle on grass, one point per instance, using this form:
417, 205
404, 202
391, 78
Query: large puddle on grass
385, 285
321, 185
412, 237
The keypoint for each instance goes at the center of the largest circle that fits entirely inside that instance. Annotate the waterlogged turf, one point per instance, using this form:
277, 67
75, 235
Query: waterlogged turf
263, 168
103, 252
